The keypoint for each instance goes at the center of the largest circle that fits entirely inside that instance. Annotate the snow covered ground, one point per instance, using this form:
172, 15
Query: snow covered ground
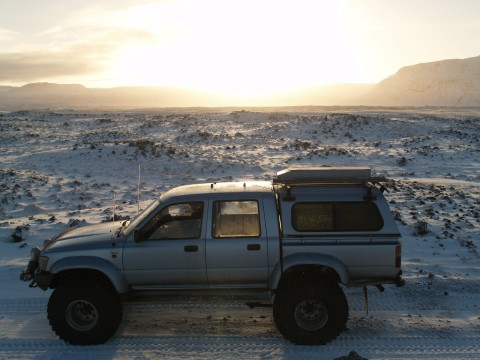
58, 169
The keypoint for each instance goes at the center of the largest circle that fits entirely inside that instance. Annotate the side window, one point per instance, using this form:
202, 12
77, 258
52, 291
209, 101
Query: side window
313, 217
361, 216
341, 216
178, 221
235, 219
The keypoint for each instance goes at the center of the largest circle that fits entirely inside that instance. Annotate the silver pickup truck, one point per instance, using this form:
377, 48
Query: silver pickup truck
289, 243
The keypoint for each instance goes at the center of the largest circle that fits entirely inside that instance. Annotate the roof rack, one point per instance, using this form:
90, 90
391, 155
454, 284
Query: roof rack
326, 175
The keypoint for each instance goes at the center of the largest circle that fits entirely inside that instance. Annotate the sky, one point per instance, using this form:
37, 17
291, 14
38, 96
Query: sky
234, 46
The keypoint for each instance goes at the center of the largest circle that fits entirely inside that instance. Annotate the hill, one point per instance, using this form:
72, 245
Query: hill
75, 96
454, 82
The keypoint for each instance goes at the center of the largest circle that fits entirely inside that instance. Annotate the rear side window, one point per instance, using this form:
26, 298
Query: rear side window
336, 216
235, 219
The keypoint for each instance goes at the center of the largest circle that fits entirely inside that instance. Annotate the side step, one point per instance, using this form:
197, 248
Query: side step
252, 305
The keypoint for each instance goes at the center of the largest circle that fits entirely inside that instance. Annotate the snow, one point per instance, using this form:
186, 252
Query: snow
452, 82
59, 168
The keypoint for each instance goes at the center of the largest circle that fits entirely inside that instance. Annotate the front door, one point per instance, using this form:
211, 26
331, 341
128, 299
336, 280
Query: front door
169, 251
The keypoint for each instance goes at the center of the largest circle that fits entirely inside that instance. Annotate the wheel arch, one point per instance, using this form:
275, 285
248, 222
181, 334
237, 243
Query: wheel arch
89, 267
309, 264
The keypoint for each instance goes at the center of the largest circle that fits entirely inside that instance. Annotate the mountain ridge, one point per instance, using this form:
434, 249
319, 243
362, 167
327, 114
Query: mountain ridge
450, 82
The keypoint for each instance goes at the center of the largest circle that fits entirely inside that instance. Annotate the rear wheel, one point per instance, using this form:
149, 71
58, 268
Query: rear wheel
310, 311
84, 312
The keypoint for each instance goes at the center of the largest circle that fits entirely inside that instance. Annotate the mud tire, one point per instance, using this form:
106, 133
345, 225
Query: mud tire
310, 312
84, 312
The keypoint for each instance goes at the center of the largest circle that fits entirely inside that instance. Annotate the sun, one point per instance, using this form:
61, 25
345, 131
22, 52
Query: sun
242, 48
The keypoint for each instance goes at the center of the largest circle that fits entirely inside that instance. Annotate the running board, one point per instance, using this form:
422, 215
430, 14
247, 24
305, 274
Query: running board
252, 305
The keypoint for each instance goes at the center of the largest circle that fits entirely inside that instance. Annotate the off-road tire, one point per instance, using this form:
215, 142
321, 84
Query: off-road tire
310, 311
84, 312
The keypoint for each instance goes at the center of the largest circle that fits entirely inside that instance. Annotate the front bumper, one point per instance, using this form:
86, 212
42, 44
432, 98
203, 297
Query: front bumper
37, 278
43, 279
28, 273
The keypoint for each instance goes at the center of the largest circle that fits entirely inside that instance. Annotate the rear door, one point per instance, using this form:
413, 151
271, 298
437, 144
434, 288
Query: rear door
236, 246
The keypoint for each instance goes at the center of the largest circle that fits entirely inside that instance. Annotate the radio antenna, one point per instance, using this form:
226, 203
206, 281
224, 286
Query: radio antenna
113, 222
138, 190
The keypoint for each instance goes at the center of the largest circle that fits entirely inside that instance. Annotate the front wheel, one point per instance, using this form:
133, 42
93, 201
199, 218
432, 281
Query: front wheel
84, 312
310, 312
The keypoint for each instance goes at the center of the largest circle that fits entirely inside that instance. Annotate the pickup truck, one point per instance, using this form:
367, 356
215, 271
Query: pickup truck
291, 243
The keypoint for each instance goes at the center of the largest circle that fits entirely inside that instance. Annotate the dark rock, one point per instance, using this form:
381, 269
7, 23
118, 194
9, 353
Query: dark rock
352, 356
421, 227
402, 161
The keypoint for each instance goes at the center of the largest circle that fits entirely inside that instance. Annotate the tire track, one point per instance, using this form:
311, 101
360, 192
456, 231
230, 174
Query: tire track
233, 331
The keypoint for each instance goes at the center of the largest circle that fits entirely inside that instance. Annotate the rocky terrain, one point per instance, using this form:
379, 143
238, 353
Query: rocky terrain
63, 168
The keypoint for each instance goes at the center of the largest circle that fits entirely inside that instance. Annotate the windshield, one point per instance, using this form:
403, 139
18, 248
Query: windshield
132, 224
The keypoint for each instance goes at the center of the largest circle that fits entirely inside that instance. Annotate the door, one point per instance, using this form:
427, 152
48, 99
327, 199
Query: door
169, 251
237, 253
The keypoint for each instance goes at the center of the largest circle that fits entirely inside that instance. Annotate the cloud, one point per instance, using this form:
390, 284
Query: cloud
27, 67
92, 55
6, 34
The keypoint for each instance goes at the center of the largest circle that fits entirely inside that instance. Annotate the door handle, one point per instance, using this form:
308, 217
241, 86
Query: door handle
253, 247
191, 248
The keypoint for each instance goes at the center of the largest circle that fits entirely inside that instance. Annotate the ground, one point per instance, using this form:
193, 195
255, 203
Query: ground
64, 168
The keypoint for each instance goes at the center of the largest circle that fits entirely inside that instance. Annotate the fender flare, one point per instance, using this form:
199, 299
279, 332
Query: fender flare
308, 259
112, 272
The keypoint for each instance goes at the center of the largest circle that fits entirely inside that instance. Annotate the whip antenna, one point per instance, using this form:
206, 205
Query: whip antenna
113, 218
138, 191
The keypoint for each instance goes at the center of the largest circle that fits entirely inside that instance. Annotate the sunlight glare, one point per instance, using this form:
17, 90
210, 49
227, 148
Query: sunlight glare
243, 48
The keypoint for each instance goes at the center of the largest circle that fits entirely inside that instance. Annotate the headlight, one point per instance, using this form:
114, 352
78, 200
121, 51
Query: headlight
42, 262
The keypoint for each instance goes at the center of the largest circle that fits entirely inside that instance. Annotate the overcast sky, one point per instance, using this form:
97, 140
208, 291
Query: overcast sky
242, 47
